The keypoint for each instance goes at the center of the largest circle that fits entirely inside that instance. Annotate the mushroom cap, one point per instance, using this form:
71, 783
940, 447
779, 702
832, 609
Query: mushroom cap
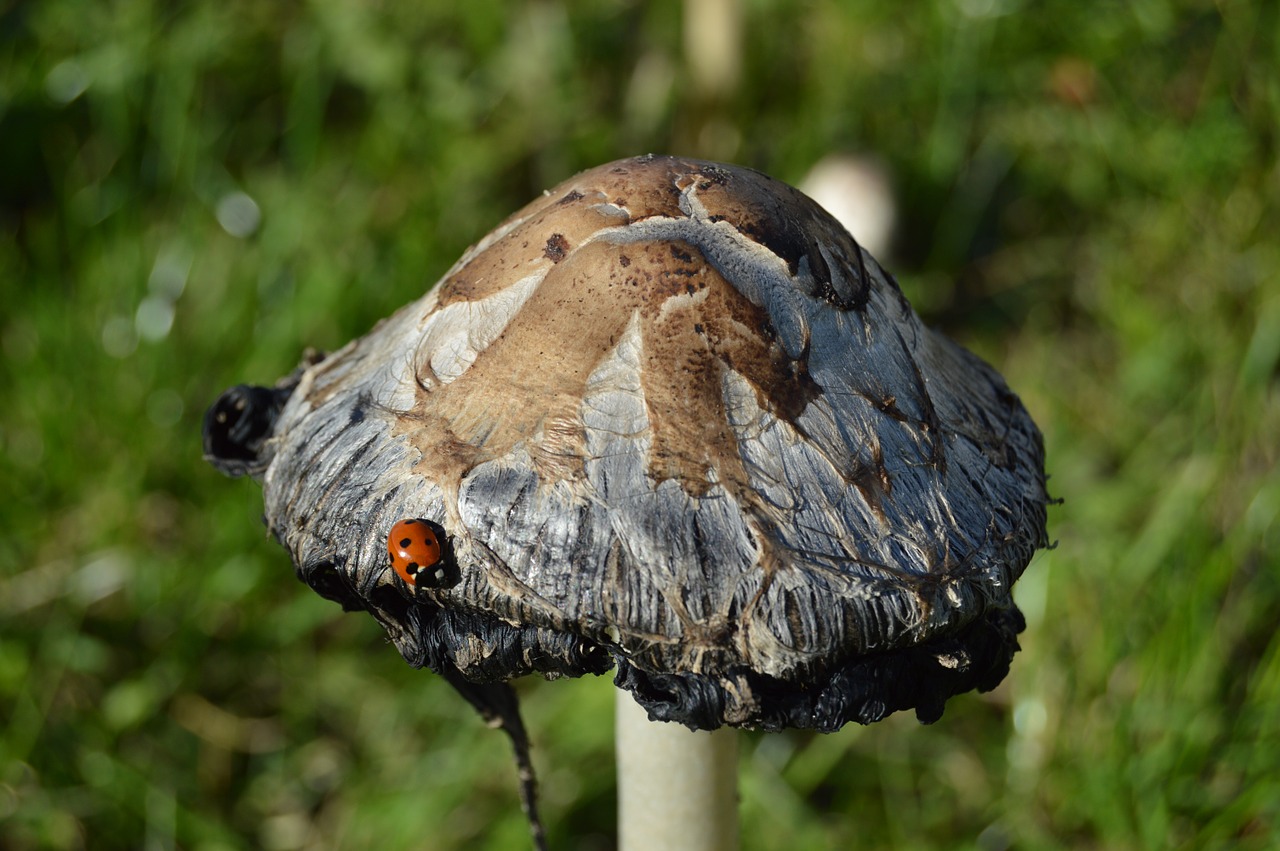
671, 418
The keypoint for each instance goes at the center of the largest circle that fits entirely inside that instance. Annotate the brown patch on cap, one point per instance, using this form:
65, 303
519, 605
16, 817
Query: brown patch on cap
873, 482
762, 209
543, 231
528, 385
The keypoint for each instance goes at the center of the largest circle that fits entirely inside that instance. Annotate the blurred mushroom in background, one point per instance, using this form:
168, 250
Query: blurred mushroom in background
858, 192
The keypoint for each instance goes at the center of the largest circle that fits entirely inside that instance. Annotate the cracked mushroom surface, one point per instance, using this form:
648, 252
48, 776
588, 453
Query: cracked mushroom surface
668, 418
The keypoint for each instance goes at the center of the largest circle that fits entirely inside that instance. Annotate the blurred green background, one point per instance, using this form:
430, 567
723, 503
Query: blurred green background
191, 193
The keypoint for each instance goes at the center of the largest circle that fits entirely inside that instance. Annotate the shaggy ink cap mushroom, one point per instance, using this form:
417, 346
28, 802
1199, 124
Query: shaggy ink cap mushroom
671, 419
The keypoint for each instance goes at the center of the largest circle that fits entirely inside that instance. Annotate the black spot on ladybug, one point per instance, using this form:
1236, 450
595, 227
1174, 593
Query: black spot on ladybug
405, 542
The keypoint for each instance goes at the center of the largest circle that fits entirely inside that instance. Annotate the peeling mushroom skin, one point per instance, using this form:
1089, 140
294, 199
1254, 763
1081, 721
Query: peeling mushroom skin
673, 418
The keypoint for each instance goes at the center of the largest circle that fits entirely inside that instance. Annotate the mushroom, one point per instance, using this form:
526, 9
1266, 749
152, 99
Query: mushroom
668, 419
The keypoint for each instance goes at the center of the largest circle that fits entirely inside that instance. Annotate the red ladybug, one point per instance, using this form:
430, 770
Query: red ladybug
416, 553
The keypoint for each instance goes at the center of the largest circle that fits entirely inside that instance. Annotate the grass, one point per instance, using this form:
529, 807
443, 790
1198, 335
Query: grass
191, 194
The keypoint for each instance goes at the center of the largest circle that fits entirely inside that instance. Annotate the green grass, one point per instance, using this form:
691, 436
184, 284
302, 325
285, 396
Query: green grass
1089, 200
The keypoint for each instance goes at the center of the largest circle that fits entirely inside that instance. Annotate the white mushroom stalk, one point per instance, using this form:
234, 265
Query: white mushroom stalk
670, 419
677, 788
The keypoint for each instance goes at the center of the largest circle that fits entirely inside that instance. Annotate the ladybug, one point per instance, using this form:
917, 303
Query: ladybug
417, 553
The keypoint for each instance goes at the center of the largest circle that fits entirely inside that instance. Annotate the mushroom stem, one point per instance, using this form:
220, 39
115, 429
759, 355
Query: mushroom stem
677, 788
